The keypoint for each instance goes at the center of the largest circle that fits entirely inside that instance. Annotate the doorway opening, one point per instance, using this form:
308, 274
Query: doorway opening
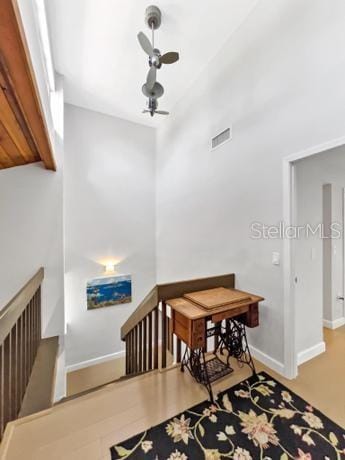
314, 182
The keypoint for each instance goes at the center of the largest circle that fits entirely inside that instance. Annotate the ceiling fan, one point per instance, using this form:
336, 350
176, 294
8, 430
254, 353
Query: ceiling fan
152, 104
152, 89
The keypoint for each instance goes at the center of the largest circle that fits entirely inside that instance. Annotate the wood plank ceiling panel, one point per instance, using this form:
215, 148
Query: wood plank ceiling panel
5, 160
10, 149
16, 131
24, 135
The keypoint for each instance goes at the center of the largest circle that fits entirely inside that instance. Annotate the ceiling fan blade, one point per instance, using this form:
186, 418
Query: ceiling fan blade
162, 112
145, 43
145, 111
169, 58
151, 78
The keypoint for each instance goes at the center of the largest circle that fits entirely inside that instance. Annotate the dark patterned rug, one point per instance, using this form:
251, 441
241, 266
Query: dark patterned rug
256, 419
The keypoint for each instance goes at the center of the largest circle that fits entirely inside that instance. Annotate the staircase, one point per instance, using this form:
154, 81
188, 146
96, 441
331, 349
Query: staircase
148, 336
148, 331
84, 426
27, 362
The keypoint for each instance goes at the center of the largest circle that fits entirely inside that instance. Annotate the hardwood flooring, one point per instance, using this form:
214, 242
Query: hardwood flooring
93, 376
85, 428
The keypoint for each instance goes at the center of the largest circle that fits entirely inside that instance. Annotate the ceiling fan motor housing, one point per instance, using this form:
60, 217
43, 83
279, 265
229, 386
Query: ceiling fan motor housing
156, 92
154, 60
153, 17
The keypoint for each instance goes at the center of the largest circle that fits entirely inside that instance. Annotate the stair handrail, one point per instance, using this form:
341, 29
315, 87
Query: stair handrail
20, 337
145, 307
150, 327
15, 307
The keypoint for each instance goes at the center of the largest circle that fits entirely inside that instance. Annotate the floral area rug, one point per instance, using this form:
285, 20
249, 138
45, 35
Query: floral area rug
257, 419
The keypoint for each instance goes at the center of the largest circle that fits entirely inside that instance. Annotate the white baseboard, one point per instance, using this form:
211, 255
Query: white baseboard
334, 324
268, 360
92, 362
310, 353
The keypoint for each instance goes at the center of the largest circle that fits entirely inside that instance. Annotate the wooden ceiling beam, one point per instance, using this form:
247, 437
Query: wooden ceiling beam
28, 110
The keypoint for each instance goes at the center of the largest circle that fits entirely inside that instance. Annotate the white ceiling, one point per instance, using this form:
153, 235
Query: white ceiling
95, 47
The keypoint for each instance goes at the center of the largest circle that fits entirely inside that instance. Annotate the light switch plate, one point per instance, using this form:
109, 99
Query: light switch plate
276, 258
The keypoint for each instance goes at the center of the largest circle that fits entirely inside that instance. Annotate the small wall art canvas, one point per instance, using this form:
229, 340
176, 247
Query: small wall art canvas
108, 291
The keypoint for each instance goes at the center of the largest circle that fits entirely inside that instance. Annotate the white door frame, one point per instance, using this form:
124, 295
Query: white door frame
343, 265
290, 351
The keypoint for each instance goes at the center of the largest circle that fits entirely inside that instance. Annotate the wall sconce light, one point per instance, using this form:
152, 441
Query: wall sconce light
109, 267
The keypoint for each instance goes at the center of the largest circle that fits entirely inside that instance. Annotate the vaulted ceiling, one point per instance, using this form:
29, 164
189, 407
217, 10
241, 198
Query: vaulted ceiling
95, 47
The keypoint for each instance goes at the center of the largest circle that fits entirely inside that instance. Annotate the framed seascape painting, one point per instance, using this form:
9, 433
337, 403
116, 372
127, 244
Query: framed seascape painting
108, 291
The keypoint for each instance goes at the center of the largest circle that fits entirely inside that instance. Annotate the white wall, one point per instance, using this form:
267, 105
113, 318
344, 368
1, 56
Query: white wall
279, 81
52, 105
333, 256
31, 227
337, 249
327, 291
31, 236
280, 97
31, 201
109, 214
311, 175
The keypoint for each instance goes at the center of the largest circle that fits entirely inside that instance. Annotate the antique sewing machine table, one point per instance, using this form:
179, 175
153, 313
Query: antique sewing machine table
220, 313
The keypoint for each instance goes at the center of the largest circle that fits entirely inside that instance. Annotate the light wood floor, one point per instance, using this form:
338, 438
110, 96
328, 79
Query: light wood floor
93, 376
99, 374
85, 428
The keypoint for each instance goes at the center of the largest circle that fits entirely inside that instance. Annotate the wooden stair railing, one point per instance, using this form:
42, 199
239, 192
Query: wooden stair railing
148, 331
140, 333
20, 336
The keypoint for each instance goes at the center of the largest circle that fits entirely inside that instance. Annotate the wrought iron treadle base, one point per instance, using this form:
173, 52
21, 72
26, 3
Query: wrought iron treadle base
233, 340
